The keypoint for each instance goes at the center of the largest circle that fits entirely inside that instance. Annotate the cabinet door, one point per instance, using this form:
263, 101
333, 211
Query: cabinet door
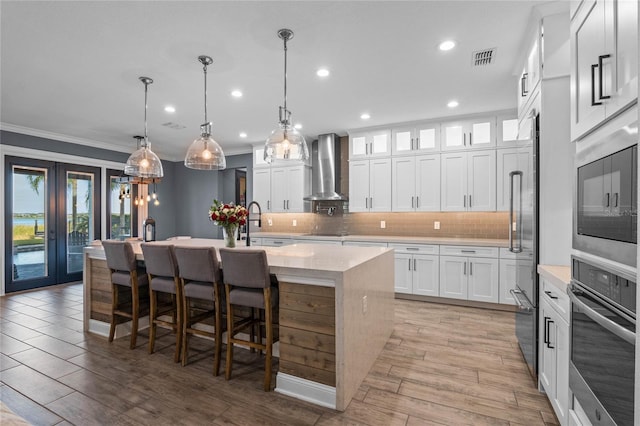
403, 273
454, 135
426, 277
507, 279
358, 186
380, 143
403, 140
403, 182
483, 280
481, 187
621, 23
510, 160
453, 277
454, 181
587, 44
562, 370
482, 133
258, 157
507, 131
262, 188
547, 354
533, 65
358, 145
427, 137
279, 191
380, 185
427, 183
296, 188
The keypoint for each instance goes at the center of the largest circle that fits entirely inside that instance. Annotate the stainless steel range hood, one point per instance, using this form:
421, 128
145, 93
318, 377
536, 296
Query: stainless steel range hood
325, 175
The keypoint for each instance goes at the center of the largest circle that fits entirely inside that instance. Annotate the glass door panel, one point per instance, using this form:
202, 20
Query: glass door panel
121, 218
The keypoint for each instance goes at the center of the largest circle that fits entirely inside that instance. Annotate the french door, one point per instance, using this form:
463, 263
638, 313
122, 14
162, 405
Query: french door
52, 210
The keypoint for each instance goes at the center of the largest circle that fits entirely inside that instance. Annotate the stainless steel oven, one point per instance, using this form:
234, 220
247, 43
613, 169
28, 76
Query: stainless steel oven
606, 202
603, 327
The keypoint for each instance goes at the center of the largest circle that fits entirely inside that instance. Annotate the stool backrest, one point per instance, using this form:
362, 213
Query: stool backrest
120, 256
245, 268
160, 259
198, 264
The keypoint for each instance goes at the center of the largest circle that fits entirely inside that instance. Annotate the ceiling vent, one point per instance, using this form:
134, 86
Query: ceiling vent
483, 57
174, 126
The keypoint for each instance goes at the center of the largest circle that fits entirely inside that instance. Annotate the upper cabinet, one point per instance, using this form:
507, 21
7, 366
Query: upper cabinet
258, 156
370, 185
373, 143
604, 62
468, 134
530, 76
468, 181
507, 129
416, 139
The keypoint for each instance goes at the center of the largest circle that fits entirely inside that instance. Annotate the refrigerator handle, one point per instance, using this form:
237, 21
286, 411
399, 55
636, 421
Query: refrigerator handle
512, 248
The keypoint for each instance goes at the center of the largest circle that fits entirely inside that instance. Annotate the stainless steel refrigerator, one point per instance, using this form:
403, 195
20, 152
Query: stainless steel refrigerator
523, 241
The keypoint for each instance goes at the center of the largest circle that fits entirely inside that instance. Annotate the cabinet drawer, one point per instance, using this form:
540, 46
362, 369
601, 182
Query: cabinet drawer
275, 242
415, 248
256, 241
364, 244
469, 251
557, 298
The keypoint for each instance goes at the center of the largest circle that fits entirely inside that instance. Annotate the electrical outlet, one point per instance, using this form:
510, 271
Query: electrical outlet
383, 224
513, 226
295, 222
364, 304
436, 225
270, 222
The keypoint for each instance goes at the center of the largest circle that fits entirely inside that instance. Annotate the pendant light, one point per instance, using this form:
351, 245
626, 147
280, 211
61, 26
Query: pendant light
204, 153
144, 162
285, 143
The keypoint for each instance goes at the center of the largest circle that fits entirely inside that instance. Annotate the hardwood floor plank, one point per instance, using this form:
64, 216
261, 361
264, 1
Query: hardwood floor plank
361, 413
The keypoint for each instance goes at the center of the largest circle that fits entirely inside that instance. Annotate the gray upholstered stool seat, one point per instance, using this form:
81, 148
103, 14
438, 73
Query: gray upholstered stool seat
124, 272
162, 269
200, 278
248, 284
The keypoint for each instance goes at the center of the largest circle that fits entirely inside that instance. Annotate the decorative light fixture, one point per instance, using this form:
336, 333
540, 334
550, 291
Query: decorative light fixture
204, 153
144, 162
285, 143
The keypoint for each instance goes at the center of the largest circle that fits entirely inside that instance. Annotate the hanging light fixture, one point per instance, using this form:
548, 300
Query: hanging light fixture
205, 153
285, 143
144, 162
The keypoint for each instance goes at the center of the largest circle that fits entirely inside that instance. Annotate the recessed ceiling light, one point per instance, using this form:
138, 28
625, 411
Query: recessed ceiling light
236, 94
452, 104
447, 45
322, 72
298, 126
365, 116
169, 109
243, 135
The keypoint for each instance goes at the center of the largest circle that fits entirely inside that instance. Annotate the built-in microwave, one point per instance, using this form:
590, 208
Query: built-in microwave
605, 198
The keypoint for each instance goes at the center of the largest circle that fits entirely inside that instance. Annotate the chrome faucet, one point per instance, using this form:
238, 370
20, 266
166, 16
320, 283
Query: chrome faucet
259, 220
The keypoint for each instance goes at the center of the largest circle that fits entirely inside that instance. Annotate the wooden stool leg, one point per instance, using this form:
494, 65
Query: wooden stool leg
114, 307
227, 372
177, 316
186, 323
152, 318
218, 331
269, 340
135, 310
259, 325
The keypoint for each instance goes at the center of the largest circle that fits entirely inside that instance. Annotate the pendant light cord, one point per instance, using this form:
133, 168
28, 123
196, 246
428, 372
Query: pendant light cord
146, 139
285, 79
205, 92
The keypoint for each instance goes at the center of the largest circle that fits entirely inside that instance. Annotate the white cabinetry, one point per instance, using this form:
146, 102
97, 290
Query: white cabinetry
530, 76
281, 189
262, 188
468, 181
276, 242
509, 267
507, 129
469, 273
415, 183
370, 185
604, 62
415, 139
416, 269
469, 133
510, 160
554, 348
372, 143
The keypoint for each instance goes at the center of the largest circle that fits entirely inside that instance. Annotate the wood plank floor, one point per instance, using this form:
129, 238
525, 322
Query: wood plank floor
443, 365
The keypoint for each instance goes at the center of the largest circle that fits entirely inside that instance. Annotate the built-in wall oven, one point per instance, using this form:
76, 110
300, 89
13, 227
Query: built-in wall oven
603, 327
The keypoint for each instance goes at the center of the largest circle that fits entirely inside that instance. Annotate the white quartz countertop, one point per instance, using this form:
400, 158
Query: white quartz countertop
558, 275
309, 257
486, 242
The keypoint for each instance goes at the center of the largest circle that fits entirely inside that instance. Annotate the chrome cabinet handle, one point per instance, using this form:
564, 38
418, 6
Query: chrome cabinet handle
411, 202
470, 268
418, 143
464, 139
615, 197
417, 202
523, 89
467, 251
414, 264
464, 201
600, 79
409, 263
469, 200
470, 138
607, 202
412, 248
464, 270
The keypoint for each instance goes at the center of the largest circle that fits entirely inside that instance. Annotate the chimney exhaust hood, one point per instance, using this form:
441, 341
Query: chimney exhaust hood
325, 175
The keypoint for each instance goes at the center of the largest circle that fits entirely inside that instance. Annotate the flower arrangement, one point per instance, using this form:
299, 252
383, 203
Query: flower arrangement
229, 217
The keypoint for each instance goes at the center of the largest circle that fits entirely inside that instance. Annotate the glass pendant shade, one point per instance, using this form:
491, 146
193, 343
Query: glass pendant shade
144, 163
285, 144
204, 153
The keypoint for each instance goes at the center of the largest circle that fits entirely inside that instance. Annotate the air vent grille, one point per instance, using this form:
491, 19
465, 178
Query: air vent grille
174, 126
483, 57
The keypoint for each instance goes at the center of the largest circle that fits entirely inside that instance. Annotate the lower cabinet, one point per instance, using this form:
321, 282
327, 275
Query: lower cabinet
416, 269
469, 273
553, 352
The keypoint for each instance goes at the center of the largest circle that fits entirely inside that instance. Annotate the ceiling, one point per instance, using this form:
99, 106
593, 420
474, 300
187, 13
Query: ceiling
69, 69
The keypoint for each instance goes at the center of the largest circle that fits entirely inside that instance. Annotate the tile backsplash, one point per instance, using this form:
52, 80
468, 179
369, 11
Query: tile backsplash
494, 225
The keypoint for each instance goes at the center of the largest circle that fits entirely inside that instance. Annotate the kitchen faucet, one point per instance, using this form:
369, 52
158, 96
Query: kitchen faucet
259, 220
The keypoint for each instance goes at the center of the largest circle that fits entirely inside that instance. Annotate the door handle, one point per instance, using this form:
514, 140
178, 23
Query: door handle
52, 234
593, 85
607, 202
551, 296
600, 79
548, 332
523, 91
512, 248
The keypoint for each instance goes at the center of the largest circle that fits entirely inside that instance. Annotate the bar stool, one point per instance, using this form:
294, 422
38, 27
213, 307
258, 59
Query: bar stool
248, 283
200, 279
162, 269
124, 272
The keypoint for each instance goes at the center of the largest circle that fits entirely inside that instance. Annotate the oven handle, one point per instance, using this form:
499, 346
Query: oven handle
515, 292
616, 329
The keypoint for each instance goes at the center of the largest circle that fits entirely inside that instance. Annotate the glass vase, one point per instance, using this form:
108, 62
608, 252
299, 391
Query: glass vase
229, 233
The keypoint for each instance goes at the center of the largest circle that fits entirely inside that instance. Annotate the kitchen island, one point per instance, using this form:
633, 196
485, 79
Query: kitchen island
335, 313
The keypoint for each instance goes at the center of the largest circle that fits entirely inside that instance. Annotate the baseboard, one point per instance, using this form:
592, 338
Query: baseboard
306, 390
